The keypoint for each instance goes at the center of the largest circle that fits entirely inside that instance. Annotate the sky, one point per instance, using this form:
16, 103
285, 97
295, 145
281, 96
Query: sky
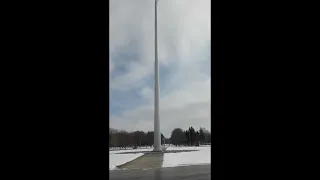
184, 58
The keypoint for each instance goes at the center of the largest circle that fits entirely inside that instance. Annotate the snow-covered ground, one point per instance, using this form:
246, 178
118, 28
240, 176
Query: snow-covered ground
118, 159
129, 150
203, 156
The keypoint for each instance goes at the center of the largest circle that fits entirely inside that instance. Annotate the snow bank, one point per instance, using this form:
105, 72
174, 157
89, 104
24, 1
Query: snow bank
202, 156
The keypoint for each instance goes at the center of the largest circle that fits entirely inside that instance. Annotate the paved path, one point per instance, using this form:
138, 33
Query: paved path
194, 172
149, 160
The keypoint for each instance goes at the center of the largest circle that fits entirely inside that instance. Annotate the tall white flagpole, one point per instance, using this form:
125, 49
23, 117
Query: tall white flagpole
157, 136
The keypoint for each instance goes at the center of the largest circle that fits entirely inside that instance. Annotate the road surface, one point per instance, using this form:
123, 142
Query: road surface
194, 172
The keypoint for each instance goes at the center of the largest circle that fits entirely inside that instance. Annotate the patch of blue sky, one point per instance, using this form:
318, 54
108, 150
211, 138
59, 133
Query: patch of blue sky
165, 73
123, 58
121, 101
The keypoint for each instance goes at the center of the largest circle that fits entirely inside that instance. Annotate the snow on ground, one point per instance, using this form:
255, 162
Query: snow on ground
129, 150
203, 156
118, 159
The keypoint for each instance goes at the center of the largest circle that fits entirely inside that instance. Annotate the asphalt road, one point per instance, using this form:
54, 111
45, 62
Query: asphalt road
195, 172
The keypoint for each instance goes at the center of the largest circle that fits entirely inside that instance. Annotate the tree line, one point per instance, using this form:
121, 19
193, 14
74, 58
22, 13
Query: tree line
190, 137
123, 139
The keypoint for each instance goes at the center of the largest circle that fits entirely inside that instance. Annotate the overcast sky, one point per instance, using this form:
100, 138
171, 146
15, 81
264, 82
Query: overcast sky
184, 57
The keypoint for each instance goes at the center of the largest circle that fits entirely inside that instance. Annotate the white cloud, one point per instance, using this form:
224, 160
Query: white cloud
183, 34
189, 106
147, 93
111, 66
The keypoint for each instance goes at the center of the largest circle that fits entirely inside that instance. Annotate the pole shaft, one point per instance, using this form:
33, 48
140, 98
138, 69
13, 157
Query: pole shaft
157, 136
